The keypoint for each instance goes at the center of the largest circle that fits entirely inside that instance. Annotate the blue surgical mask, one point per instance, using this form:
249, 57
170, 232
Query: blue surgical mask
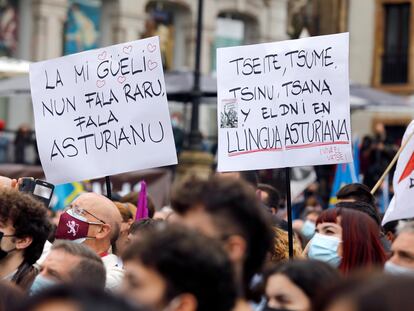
40, 283
325, 248
308, 229
394, 269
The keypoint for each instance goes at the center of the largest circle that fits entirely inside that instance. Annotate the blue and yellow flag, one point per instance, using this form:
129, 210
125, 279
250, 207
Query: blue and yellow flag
346, 173
66, 193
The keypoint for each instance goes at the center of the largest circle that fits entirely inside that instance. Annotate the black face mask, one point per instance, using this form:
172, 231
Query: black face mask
3, 253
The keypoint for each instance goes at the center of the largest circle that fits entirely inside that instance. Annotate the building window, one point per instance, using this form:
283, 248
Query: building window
8, 27
171, 21
396, 43
233, 29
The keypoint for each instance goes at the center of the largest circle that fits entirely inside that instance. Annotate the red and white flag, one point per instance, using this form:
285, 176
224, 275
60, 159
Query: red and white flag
402, 204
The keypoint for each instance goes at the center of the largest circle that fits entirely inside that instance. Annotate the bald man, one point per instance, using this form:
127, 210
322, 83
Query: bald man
94, 220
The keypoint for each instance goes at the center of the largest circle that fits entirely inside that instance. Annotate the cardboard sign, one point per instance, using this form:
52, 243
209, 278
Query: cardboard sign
102, 112
284, 104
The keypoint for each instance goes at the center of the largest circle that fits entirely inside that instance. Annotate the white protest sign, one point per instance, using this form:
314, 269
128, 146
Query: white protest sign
102, 112
284, 104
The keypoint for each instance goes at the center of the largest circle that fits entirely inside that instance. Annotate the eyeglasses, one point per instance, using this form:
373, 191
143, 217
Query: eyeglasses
77, 210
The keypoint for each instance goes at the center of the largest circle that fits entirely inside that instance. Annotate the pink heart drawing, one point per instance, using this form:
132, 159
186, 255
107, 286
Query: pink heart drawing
151, 47
100, 83
152, 65
102, 56
127, 49
121, 79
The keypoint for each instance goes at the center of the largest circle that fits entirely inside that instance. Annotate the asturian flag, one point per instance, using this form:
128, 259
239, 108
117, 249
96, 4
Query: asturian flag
402, 204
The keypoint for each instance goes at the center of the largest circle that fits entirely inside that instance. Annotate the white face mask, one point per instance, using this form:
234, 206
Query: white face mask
40, 283
325, 248
394, 269
308, 229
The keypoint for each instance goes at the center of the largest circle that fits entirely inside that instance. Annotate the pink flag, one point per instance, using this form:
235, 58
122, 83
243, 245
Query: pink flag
142, 204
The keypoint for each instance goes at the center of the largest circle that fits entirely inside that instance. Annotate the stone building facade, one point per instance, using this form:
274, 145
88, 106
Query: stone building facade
42, 29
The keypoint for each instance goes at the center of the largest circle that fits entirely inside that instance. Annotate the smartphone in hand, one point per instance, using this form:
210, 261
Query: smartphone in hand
40, 189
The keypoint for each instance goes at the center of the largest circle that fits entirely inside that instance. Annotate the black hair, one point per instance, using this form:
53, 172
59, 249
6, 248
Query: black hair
273, 199
86, 298
189, 263
29, 219
377, 292
391, 226
235, 210
385, 294
313, 277
364, 207
357, 192
142, 225
250, 177
11, 296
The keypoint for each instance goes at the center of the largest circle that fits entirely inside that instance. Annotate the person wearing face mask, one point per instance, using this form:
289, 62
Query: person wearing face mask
69, 262
296, 284
173, 268
346, 239
94, 220
24, 228
402, 260
307, 226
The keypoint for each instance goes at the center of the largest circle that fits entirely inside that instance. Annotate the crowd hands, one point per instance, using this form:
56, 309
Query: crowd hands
222, 245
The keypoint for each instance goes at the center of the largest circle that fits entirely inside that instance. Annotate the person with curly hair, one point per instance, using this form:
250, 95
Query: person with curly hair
280, 252
24, 228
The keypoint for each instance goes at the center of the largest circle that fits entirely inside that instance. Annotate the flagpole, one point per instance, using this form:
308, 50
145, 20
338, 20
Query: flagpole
108, 187
389, 167
289, 212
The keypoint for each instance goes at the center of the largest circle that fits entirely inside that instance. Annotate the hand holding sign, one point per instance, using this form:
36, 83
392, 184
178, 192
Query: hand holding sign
102, 112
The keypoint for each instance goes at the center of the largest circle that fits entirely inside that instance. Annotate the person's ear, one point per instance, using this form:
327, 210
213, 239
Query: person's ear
22, 243
14, 184
273, 210
390, 236
103, 232
185, 302
236, 248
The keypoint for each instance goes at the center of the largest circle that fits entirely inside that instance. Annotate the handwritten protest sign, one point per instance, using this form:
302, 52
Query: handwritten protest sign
284, 104
102, 112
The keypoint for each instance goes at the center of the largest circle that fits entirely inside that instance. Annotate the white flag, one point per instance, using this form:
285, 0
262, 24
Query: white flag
402, 204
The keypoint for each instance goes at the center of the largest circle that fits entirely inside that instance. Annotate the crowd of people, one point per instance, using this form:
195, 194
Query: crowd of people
221, 245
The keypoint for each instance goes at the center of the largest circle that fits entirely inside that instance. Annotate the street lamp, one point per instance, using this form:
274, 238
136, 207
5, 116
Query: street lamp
195, 137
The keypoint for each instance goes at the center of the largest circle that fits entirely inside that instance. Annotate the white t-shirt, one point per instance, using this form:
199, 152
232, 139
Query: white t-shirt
114, 271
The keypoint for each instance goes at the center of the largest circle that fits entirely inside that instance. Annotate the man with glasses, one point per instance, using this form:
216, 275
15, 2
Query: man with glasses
24, 228
94, 220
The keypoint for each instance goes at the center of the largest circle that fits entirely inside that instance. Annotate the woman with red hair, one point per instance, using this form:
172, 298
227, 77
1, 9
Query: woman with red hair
347, 239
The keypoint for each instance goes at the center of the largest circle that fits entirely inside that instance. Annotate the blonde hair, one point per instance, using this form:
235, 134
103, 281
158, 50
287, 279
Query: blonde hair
127, 210
281, 246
